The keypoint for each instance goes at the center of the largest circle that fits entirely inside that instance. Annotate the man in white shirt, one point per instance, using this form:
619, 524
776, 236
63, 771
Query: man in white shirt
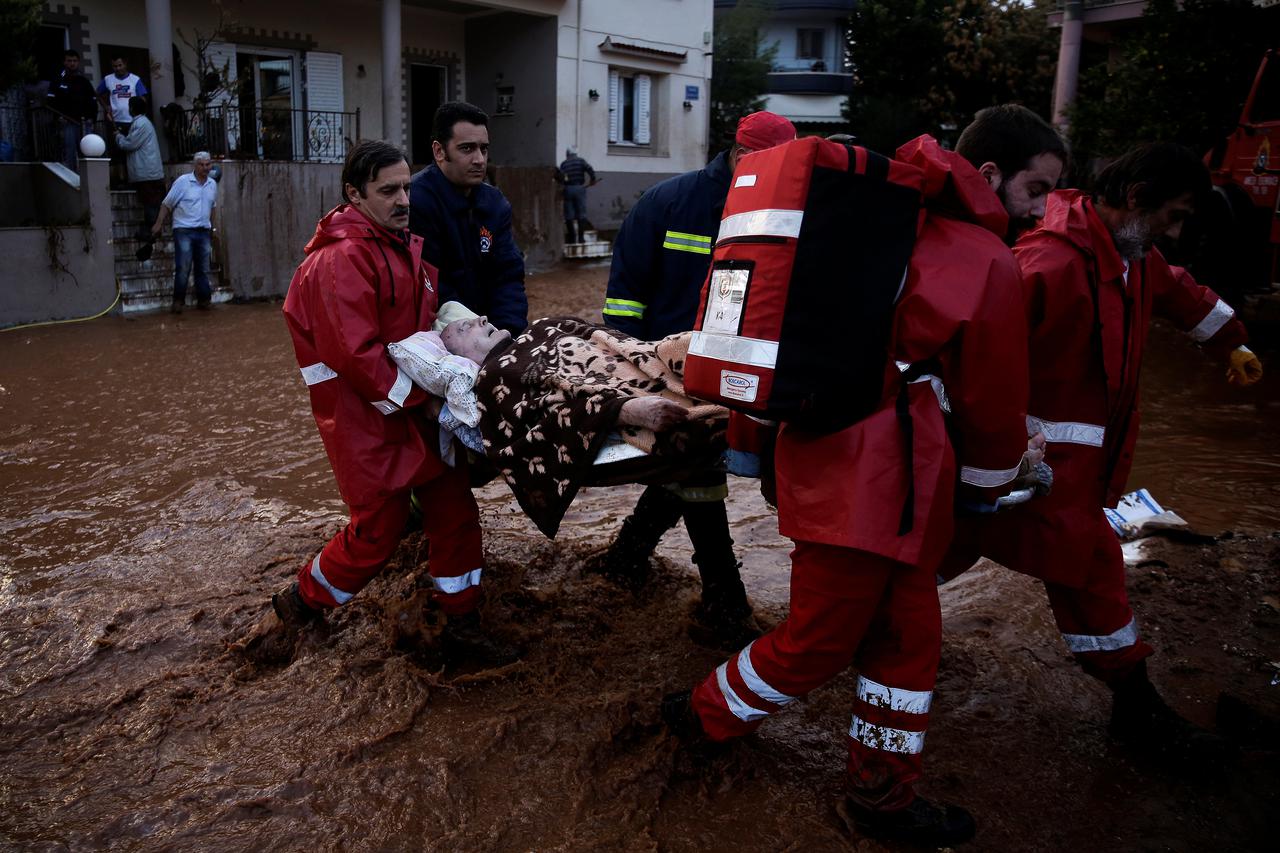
114, 92
191, 200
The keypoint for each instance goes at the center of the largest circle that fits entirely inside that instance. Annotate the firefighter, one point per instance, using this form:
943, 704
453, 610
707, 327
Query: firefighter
660, 260
1092, 281
362, 285
862, 572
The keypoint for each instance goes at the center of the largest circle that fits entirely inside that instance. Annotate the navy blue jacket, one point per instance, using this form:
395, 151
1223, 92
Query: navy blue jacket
468, 238
663, 252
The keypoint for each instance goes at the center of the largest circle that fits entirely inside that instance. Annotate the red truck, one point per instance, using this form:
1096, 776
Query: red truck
1245, 166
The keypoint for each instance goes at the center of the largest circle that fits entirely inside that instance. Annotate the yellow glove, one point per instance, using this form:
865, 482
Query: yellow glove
1244, 369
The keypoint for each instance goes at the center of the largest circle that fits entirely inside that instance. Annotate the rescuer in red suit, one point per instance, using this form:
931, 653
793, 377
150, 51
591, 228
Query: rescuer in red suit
1092, 281
862, 590
363, 285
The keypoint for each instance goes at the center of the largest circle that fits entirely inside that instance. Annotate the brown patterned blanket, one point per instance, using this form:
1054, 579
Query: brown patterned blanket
550, 399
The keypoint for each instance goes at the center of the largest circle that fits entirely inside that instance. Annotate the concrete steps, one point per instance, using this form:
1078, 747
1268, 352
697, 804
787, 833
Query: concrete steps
590, 247
148, 285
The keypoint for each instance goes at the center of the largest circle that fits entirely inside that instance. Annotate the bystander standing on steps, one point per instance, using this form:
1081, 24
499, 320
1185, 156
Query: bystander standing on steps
576, 175
71, 94
146, 168
191, 200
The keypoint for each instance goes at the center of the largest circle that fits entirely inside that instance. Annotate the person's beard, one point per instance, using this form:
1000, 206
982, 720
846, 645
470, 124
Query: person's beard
1132, 239
1018, 225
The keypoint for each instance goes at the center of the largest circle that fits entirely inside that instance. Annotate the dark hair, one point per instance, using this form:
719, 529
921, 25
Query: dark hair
1165, 171
364, 162
70, 52
1009, 135
122, 59
137, 105
452, 112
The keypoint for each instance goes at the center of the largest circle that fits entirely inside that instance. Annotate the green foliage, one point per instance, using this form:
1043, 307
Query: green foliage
739, 69
1183, 77
926, 66
19, 22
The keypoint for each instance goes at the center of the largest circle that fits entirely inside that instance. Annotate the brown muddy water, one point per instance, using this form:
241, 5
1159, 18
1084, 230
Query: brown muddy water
162, 476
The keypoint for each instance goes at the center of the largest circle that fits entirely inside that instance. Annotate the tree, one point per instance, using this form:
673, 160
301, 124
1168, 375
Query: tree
926, 66
19, 22
739, 69
1182, 77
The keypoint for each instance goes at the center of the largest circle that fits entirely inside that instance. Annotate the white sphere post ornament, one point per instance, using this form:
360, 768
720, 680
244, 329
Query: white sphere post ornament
93, 145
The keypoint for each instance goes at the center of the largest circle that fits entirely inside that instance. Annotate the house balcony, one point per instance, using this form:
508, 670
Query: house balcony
837, 7
809, 83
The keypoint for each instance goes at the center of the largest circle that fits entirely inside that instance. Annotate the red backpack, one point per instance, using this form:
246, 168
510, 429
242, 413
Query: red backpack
811, 257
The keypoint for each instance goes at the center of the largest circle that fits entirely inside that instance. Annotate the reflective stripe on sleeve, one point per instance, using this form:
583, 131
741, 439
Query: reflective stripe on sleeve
400, 390
623, 308
1121, 639
886, 738
682, 242
318, 576
894, 698
1217, 317
769, 222
737, 707
987, 477
1067, 432
756, 684
939, 390
318, 372
752, 351
458, 583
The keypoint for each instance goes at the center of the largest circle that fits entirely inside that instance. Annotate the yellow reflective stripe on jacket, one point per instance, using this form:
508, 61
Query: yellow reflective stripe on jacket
623, 308
682, 242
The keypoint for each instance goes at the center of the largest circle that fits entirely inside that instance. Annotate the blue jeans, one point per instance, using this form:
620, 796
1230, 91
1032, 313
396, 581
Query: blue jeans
191, 244
72, 132
575, 202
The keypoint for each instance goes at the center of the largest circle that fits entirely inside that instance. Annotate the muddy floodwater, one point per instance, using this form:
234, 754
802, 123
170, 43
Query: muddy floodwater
161, 476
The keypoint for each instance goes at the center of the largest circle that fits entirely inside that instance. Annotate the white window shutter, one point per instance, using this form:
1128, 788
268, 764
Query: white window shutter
615, 107
643, 84
323, 134
220, 58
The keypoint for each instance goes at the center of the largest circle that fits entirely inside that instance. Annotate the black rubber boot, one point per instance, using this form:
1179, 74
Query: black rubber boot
1142, 721
626, 562
921, 824
464, 641
295, 614
677, 713
723, 618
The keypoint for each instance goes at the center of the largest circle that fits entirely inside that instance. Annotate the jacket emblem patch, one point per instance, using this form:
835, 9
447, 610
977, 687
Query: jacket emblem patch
486, 239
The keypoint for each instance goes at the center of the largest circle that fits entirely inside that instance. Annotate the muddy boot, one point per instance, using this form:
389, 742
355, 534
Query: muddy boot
920, 824
1142, 721
723, 618
626, 562
294, 613
677, 713
464, 641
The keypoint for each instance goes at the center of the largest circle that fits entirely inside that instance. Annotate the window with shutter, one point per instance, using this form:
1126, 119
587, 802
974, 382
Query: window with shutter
643, 84
218, 129
325, 103
615, 107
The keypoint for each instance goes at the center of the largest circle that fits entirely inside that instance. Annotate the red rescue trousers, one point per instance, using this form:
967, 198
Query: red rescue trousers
847, 607
1088, 599
354, 557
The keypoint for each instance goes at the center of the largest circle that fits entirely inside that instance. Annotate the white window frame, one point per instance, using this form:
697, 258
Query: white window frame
642, 107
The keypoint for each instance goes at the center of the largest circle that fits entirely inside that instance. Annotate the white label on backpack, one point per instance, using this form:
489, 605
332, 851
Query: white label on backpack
745, 181
739, 386
725, 297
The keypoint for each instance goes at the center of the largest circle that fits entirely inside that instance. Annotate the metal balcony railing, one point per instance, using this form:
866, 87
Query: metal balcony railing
241, 132
41, 133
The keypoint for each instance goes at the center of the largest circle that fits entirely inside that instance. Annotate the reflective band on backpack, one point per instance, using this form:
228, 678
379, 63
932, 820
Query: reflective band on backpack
737, 707
894, 698
1067, 432
460, 583
752, 351
939, 390
987, 477
313, 374
756, 684
1121, 639
682, 242
770, 222
886, 738
1217, 317
623, 308
318, 576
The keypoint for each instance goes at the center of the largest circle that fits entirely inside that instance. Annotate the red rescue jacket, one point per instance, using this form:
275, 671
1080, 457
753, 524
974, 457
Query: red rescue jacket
961, 312
1088, 330
360, 288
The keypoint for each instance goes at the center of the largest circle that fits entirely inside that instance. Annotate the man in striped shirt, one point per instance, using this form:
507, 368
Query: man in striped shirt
576, 175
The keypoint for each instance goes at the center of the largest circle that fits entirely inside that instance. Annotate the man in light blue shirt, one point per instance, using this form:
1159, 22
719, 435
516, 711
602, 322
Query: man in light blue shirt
191, 200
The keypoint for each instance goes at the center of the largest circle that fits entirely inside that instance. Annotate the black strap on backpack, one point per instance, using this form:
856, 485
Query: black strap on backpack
907, 427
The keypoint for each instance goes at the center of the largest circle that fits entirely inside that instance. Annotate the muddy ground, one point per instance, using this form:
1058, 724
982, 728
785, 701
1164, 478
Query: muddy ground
162, 477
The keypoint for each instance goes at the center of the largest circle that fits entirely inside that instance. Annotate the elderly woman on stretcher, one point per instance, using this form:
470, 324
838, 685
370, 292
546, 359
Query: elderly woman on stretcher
543, 407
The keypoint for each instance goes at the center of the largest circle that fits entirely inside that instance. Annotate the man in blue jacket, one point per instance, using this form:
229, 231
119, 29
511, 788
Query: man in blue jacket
660, 260
465, 224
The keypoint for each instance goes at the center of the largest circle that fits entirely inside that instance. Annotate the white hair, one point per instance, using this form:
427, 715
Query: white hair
201, 155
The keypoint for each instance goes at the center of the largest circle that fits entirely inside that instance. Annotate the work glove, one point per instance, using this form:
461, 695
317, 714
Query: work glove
1244, 368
